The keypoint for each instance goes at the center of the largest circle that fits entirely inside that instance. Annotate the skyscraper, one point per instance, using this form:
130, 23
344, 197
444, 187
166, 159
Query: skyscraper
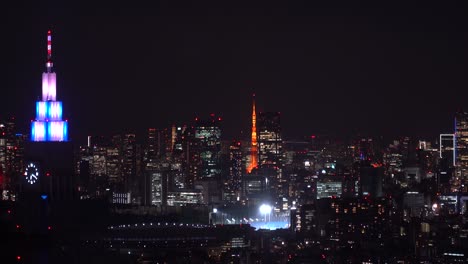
204, 158
270, 146
233, 183
269, 139
447, 147
129, 165
461, 148
49, 125
153, 149
446, 161
207, 136
49, 166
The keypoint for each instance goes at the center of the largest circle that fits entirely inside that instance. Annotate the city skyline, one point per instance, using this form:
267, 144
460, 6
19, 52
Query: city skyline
377, 70
229, 133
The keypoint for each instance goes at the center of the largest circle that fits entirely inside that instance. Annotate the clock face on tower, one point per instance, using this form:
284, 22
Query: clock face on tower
32, 173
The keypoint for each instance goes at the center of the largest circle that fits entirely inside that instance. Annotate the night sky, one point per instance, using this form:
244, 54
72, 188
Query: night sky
388, 70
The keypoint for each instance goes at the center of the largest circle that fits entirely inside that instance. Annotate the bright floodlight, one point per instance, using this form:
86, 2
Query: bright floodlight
215, 210
265, 209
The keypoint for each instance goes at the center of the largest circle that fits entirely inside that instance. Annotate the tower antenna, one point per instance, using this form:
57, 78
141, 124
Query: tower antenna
49, 63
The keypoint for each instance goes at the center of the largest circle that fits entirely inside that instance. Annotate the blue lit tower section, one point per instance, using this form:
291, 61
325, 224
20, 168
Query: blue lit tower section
48, 125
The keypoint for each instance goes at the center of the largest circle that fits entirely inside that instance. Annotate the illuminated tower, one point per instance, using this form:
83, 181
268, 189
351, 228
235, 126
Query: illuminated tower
48, 125
253, 149
49, 152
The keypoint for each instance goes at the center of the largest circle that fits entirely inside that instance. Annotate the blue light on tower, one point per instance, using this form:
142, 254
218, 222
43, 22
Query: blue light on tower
48, 125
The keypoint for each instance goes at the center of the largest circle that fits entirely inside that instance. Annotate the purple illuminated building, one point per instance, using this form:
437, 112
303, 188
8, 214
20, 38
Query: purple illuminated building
48, 125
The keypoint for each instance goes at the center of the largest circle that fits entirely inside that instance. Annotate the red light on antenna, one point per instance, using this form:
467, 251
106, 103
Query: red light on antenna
49, 228
18, 257
9, 211
47, 173
18, 226
313, 136
219, 118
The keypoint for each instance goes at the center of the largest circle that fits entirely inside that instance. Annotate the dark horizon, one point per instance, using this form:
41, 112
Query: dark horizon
380, 70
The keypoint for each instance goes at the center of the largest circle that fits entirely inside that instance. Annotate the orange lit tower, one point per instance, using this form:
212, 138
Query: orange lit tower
253, 150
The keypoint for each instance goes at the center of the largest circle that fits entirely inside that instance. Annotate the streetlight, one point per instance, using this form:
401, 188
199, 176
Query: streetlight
212, 216
265, 209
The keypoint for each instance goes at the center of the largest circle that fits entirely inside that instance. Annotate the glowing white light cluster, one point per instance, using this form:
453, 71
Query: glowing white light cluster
265, 209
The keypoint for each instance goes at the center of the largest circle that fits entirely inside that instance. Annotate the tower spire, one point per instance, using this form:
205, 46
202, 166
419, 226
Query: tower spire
48, 125
49, 63
253, 147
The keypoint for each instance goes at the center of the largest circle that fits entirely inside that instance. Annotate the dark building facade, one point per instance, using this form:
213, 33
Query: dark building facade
206, 149
270, 147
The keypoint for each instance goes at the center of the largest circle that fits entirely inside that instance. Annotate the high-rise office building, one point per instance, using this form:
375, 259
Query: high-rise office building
129, 151
204, 158
269, 139
153, 149
157, 183
179, 143
461, 149
446, 164
207, 146
233, 183
114, 167
447, 148
270, 147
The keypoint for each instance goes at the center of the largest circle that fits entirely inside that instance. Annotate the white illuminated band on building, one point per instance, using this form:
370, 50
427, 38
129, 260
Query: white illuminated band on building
49, 88
54, 111
38, 131
57, 131
41, 110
